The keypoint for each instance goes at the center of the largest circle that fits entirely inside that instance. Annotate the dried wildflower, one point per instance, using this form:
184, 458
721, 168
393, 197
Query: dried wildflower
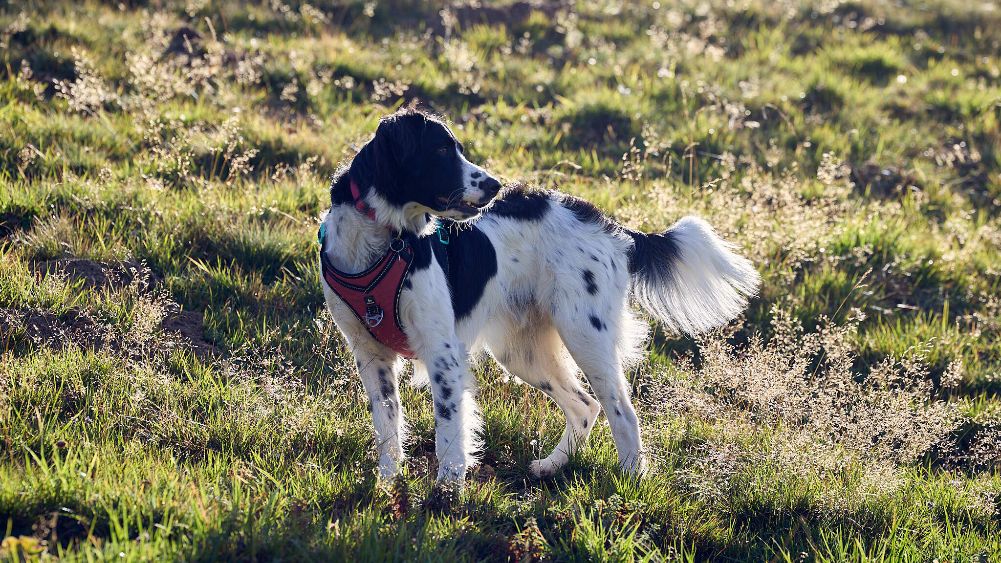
88, 93
27, 156
383, 90
290, 92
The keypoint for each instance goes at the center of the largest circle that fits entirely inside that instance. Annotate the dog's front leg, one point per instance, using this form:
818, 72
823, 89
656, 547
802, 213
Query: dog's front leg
427, 312
382, 387
455, 416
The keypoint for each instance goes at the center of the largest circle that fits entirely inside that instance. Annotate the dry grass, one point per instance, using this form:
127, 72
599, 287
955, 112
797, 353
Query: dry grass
171, 387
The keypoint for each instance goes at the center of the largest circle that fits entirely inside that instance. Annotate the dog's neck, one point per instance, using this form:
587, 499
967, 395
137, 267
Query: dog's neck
353, 241
411, 217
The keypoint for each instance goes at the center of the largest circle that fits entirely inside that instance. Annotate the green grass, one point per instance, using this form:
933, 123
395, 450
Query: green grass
204, 407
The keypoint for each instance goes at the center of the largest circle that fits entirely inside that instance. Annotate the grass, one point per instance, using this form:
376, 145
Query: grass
172, 388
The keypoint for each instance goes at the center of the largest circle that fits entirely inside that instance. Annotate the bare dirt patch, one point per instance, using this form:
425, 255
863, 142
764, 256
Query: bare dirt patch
45, 328
883, 181
76, 326
190, 325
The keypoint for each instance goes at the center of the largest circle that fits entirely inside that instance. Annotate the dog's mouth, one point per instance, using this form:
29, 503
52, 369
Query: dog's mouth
462, 208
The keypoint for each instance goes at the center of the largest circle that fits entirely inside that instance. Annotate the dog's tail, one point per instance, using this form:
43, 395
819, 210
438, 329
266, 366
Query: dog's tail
689, 278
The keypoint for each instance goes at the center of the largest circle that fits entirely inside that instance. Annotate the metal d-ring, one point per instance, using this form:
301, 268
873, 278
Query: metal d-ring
397, 245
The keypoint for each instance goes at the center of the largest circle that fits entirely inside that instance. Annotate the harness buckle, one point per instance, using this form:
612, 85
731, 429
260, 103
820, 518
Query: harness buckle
373, 312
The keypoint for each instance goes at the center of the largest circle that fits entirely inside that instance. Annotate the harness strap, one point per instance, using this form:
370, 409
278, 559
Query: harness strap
375, 292
374, 295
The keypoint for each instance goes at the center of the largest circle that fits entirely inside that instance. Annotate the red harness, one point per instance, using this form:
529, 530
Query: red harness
375, 291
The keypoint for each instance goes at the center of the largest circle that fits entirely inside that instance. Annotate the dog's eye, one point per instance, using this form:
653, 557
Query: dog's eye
443, 151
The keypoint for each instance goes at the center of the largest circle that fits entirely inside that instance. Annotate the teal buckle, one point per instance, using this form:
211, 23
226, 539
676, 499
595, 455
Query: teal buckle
442, 235
322, 233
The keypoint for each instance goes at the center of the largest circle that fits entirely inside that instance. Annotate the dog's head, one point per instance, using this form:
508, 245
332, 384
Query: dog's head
416, 165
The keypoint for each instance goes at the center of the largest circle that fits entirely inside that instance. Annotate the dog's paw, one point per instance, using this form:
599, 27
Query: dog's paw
543, 468
452, 474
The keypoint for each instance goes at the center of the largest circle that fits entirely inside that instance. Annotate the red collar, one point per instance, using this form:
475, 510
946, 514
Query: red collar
364, 208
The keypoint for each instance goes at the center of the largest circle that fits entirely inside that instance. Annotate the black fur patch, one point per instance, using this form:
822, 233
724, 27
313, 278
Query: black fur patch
469, 261
653, 256
586, 212
521, 205
472, 262
413, 157
545, 386
592, 287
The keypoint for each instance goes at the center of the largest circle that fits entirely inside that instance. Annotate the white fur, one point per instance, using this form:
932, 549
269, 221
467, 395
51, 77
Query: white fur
472, 177
710, 286
537, 318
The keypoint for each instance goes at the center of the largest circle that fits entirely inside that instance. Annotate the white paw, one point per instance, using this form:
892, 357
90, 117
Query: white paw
634, 465
452, 474
543, 468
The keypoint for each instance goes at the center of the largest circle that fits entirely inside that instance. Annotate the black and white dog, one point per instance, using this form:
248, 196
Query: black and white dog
539, 279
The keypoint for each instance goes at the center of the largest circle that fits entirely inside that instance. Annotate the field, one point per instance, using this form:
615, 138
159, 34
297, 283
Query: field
172, 388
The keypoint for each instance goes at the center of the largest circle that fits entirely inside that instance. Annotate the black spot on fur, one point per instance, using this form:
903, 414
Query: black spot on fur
439, 377
448, 346
597, 323
443, 411
618, 412
593, 257
585, 423
583, 397
476, 174
384, 386
522, 205
446, 392
545, 386
592, 287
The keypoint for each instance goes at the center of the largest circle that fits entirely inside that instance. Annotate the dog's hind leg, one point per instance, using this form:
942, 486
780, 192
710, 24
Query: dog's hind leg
592, 331
536, 356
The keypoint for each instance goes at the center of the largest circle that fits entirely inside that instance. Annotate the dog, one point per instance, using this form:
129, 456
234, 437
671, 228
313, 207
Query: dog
539, 279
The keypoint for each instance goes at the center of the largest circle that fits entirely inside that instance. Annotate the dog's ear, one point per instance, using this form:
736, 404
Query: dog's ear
389, 152
396, 139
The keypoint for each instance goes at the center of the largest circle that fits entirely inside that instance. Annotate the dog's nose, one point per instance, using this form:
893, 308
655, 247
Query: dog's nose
490, 187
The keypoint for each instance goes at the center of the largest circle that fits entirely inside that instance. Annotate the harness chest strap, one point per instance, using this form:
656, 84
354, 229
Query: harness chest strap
375, 292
